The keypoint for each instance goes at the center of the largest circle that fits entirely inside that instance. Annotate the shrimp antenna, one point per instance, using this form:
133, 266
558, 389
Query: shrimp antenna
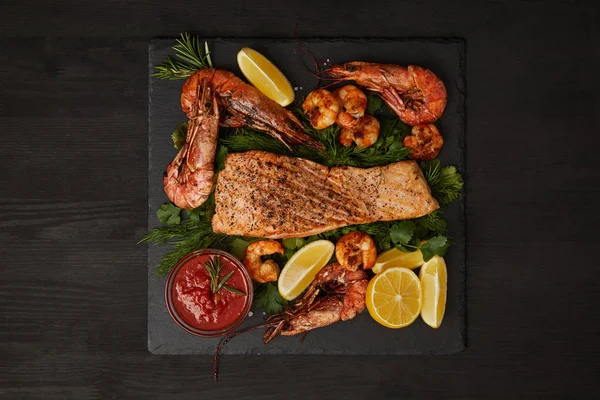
316, 69
227, 338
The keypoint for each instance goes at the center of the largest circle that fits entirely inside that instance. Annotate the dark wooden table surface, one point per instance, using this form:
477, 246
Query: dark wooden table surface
73, 120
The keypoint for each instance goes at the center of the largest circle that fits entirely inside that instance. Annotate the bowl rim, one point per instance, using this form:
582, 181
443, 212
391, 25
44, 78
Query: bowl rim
169, 299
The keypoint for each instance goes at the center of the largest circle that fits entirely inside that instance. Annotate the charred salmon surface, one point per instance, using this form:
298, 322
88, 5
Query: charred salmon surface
261, 194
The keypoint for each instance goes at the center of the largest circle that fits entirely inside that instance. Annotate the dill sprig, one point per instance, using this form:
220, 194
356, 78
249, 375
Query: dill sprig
388, 148
190, 235
190, 55
244, 139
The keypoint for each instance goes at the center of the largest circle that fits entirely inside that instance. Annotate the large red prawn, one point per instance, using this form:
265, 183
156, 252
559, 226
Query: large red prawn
213, 97
415, 94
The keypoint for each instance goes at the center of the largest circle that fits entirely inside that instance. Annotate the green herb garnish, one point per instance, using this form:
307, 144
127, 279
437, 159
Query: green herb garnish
445, 182
191, 57
214, 267
404, 235
267, 297
179, 135
169, 214
191, 233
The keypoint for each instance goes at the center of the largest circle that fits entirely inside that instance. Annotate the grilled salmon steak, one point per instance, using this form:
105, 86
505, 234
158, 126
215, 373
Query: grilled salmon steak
266, 195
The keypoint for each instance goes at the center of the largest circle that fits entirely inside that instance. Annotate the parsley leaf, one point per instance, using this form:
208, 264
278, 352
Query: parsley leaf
402, 232
222, 152
169, 214
293, 243
238, 247
267, 297
445, 182
179, 135
374, 103
194, 214
437, 245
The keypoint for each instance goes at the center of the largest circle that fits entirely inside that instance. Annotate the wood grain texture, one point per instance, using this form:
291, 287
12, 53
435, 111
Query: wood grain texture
73, 118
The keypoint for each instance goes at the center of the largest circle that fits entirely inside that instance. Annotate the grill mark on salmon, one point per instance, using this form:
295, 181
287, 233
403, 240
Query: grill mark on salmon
266, 195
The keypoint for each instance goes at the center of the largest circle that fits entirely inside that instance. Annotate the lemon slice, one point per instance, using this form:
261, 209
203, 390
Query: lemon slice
301, 269
397, 258
394, 297
434, 281
265, 76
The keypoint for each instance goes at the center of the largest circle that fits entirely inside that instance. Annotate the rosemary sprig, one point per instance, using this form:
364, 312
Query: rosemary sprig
234, 290
214, 267
191, 56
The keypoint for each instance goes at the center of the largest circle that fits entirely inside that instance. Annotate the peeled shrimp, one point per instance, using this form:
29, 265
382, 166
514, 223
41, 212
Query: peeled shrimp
322, 108
354, 104
262, 271
415, 94
425, 141
356, 250
364, 134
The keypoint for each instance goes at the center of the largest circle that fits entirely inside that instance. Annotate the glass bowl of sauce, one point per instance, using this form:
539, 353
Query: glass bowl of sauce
191, 297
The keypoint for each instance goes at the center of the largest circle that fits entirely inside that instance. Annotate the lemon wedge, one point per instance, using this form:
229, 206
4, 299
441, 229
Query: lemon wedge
302, 268
265, 76
434, 281
394, 297
397, 258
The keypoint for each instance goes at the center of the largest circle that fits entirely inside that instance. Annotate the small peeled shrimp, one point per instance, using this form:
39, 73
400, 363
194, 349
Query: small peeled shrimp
322, 107
364, 134
354, 103
262, 271
355, 250
425, 141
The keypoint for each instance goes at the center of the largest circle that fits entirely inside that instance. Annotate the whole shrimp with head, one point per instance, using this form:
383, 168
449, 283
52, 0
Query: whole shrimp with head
336, 294
415, 94
213, 97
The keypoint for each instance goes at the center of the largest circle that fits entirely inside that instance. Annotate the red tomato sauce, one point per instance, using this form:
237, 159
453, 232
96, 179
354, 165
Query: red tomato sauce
197, 305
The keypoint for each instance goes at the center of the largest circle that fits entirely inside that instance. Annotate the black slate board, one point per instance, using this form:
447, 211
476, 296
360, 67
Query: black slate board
362, 335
